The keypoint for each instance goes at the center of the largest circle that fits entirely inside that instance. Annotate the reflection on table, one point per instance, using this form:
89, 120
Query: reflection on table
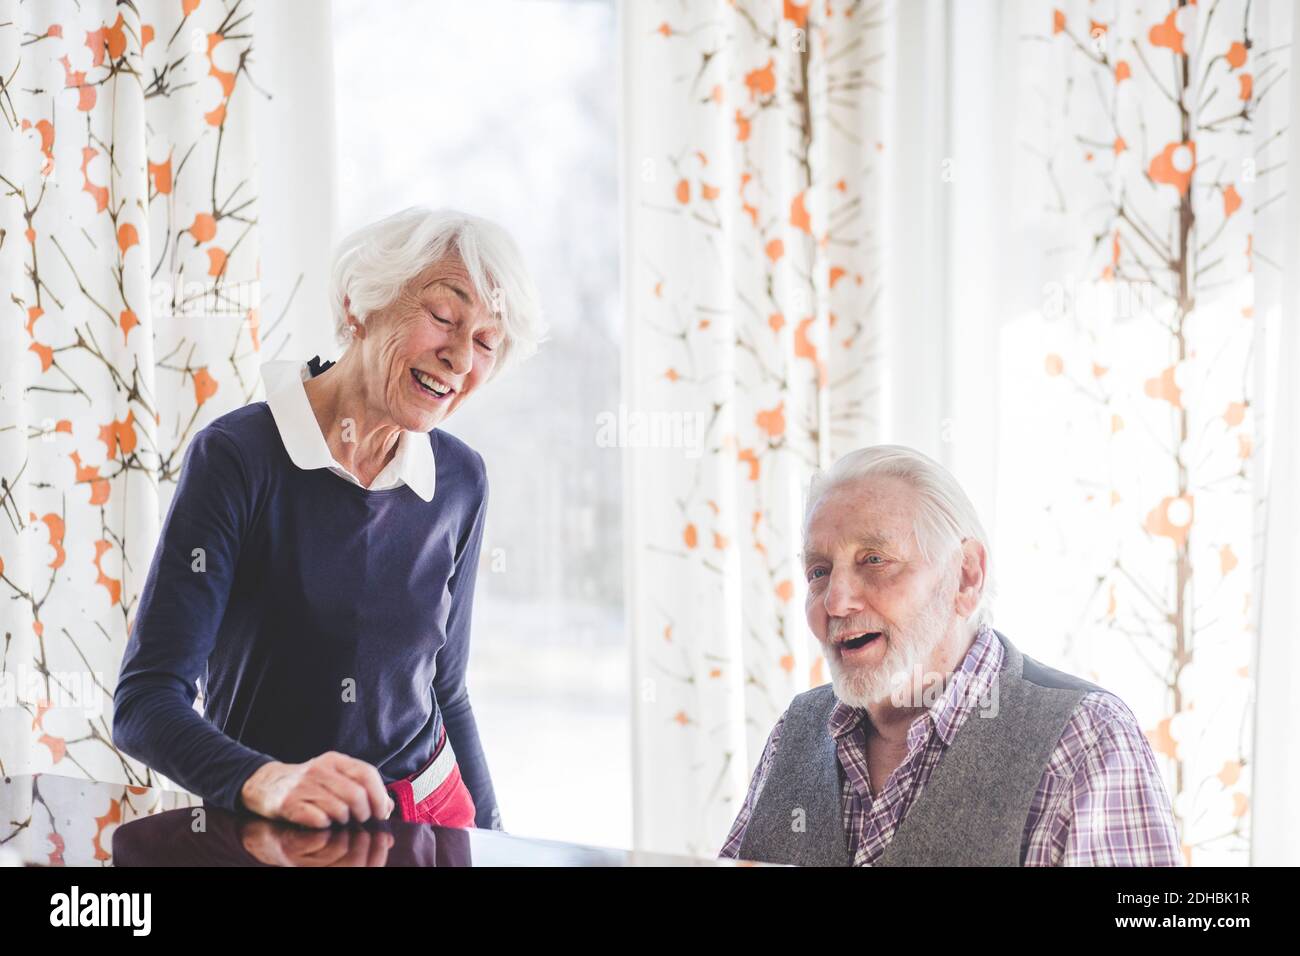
59, 821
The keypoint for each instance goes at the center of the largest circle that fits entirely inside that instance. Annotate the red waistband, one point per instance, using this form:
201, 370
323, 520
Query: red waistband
413, 779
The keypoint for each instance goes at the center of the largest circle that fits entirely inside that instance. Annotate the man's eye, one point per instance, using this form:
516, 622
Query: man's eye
813, 574
875, 559
440, 318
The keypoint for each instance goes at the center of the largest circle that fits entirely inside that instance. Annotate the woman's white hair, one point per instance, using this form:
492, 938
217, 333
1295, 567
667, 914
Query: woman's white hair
945, 516
373, 264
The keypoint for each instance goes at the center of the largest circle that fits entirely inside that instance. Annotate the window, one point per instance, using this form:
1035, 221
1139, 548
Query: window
506, 109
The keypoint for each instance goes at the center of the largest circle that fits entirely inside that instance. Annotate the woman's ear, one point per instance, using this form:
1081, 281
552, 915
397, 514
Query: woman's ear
354, 326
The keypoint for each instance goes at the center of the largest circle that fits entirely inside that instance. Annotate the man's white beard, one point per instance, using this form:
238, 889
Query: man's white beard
907, 650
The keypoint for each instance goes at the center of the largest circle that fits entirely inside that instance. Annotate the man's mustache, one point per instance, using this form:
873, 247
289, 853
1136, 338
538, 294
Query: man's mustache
854, 626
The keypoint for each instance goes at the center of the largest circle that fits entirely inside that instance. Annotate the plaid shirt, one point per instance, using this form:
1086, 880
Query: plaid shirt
1101, 801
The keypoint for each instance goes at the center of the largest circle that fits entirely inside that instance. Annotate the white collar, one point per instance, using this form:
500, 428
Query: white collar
412, 463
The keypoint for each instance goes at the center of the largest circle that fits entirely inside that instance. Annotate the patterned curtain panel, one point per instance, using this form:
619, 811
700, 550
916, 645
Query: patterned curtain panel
129, 266
53, 819
754, 151
1142, 238
1151, 169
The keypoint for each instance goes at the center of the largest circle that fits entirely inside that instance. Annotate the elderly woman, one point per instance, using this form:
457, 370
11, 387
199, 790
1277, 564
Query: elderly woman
316, 568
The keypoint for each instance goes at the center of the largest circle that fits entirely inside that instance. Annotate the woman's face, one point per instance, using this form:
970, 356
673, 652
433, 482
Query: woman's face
430, 348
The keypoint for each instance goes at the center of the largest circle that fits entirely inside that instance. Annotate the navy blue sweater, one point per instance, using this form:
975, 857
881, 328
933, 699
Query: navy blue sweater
319, 616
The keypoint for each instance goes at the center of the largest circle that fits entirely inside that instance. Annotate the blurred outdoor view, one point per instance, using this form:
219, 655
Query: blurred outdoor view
519, 125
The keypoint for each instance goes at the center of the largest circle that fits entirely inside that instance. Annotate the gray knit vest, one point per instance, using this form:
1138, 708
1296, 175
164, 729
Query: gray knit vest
973, 809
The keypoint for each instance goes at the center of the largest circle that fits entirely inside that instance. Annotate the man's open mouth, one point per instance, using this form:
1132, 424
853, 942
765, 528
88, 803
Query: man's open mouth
862, 640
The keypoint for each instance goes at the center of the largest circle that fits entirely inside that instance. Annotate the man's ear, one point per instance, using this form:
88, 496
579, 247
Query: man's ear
970, 586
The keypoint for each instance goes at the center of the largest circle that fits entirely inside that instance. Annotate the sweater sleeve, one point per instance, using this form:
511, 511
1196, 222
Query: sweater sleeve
176, 623
449, 684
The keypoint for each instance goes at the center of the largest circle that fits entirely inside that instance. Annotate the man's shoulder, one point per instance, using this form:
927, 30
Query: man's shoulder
819, 697
1101, 728
1103, 714
1099, 720
1039, 674
811, 709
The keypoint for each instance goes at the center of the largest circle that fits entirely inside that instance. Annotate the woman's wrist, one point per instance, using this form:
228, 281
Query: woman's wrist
252, 787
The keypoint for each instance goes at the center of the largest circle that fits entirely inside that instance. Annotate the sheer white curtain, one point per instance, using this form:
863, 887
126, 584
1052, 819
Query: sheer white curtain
1276, 780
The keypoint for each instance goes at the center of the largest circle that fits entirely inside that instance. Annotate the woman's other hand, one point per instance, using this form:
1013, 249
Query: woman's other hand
331, 788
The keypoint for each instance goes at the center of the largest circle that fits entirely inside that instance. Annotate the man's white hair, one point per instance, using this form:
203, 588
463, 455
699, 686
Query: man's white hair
945, 516
373, 264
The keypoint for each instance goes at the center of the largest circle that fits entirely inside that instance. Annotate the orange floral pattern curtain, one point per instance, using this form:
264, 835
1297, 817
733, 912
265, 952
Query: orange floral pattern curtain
1152, 158
754, 159
1145, 150
129, 264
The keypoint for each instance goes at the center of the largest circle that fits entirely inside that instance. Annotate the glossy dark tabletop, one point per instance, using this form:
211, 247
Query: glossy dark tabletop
59, 821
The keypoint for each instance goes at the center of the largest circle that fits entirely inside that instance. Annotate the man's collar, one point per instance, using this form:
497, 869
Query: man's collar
962, 691
302, 438
968, 684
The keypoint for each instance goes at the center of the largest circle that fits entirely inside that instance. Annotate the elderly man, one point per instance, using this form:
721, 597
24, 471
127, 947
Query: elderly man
938, 742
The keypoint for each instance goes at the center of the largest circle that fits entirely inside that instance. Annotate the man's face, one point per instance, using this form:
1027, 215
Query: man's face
876, 606
433, 346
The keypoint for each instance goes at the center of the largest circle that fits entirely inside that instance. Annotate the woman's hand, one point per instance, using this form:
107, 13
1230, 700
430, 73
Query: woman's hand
331, 788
